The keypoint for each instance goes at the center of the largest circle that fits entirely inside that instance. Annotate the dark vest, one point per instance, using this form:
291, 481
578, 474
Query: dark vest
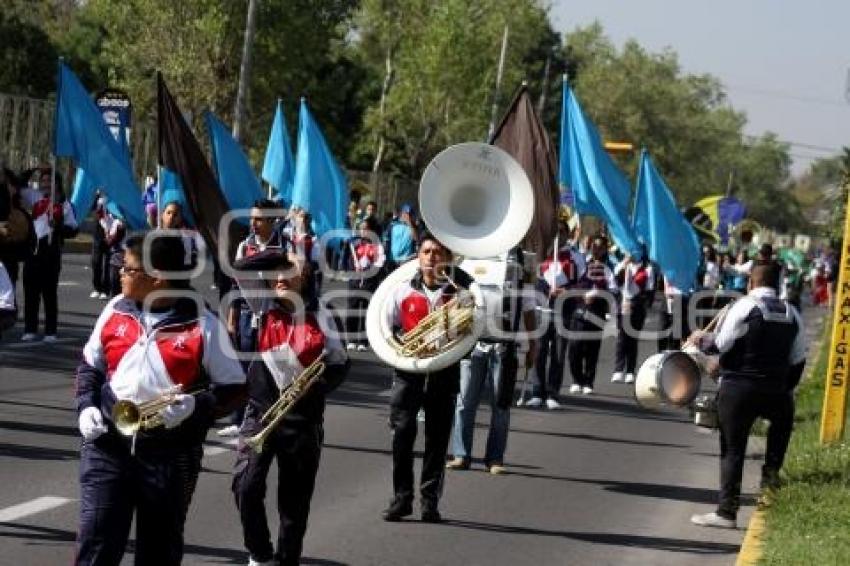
762, 353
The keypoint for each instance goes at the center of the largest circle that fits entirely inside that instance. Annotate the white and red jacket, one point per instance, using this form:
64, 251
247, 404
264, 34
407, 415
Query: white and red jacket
139, 355
366, 254
566, 271
413, 301
63, 216
288, 343
638, 279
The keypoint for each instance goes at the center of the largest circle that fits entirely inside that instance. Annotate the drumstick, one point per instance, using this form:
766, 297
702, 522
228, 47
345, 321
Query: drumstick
718, 318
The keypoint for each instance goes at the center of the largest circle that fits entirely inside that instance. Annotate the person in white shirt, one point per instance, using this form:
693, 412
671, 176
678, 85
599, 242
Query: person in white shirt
637, 289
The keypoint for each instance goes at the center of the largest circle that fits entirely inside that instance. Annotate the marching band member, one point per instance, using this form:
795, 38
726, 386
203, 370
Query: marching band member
53, 222
555, 278
293, 334
145, 342
366, 255
588, 320
435, 392
762, 346
638, 287
243, 324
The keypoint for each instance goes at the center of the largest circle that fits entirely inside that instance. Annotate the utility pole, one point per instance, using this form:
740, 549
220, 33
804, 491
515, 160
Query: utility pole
495, 108
245, 70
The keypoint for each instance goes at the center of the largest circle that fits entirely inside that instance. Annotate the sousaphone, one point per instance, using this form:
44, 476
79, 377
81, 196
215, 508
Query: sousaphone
478, 202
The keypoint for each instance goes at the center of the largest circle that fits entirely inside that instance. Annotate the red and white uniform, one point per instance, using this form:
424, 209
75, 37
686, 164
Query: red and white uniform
367, 254
62, 213
638, 279
413, 301
289, 343
144, 354
568, 268
7, 291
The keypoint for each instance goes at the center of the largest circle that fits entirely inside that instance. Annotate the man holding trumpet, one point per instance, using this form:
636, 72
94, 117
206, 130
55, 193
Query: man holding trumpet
142, 428
300, 359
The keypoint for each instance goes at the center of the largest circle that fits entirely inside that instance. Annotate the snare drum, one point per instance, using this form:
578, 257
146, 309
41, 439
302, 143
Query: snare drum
671, 377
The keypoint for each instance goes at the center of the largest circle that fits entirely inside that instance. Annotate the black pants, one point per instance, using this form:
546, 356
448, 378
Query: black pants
739, 403
100, 272
584, 351
297, 448
627, 342
41, 281
437, 396
549, 366
114, 485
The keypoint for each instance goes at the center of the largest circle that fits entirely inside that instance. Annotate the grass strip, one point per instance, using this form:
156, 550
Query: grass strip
808, 519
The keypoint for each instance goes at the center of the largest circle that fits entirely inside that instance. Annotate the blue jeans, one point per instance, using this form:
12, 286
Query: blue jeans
482, 366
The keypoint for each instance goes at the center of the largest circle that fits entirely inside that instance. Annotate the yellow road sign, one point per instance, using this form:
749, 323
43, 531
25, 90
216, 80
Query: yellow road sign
835, 389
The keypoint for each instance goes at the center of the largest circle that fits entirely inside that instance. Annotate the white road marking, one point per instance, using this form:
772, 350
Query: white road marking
32, 507
215, 449
68, 284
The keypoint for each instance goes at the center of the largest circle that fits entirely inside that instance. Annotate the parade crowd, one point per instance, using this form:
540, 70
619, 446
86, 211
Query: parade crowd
148, 339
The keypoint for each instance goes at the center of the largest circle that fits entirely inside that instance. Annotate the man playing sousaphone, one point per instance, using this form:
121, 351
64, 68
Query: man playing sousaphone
435, 283
295, 336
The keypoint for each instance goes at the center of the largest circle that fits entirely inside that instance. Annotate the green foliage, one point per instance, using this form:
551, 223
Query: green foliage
27, 58
403, 79
808, 519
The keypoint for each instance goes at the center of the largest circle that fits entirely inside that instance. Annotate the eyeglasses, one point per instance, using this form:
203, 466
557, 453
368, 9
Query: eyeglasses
124, 270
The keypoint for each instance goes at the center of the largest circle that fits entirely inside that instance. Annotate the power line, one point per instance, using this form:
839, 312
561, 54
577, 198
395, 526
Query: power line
786, 95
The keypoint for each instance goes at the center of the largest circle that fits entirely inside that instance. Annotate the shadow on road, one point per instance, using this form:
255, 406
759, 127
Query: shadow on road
593, 437
614, 539
36, 452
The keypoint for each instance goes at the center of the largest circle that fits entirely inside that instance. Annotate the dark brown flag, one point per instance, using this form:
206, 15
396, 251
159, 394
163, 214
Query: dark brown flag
180, 152
521, 134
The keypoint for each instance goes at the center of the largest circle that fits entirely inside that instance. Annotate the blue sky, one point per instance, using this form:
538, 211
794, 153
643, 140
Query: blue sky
784, 63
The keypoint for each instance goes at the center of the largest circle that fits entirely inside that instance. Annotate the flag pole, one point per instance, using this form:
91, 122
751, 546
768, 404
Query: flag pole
496, 90
159, 196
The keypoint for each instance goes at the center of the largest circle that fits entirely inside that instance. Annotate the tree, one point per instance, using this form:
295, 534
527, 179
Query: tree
28, 58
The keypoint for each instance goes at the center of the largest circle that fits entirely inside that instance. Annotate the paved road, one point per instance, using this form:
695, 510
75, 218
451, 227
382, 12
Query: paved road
601, 482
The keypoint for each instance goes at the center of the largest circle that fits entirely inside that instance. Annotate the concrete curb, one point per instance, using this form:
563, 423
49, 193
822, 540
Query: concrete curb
751, 548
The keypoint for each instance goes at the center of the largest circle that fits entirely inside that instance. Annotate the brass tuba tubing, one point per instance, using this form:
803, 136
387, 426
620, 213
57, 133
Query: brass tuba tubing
288, 398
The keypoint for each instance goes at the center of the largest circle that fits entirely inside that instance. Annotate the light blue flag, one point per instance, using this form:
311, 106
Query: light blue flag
278, 166
669, 237
320, 186
598, 187
172, 191
82, 196
237, 180
81, 134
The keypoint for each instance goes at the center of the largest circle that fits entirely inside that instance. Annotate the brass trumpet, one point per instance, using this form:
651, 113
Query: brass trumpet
452, 321
288, 397
130, 417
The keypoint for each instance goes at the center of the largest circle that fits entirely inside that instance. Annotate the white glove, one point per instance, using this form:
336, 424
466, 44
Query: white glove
91, 423
178, 411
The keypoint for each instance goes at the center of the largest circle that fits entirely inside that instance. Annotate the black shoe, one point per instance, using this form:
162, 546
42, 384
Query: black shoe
398, 509
770, 479
430, 514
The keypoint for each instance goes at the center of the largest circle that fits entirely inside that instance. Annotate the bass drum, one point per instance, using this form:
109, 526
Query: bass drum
671, 377
380, 333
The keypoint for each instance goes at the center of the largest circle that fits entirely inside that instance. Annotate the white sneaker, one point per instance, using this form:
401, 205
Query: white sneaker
272, 562
103, 296
552, 405
50, 339
362, 348
534, 402
575, 388
351, 346
587, 390
29, 337
232, 430
617, 377
713, 520
630, 378
94, 295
